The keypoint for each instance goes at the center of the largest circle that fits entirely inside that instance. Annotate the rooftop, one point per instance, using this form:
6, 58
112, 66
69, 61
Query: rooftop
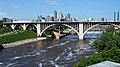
105, 64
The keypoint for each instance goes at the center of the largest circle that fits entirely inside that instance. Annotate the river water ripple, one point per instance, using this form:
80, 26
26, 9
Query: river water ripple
48, 53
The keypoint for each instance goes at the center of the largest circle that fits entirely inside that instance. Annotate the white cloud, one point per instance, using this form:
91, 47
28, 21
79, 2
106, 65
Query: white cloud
2, 14
51, 2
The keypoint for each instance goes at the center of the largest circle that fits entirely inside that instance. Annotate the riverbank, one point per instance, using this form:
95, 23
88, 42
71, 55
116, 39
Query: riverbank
18, 43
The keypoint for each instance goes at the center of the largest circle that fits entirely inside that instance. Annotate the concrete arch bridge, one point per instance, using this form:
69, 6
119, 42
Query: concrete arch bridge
81, 28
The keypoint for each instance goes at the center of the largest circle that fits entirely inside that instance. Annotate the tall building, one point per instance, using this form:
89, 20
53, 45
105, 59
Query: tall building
118, 16
48, 18
102, 19
55, 14
59, 16
114, 16
67, 17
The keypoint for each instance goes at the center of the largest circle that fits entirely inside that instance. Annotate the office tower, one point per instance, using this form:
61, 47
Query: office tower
55, 14
48, 18
118, 16
51, 18
67, 17
59, 16
39, 18
102, 19
114, 16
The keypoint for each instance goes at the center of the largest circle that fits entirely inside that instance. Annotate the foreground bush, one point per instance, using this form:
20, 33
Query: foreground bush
20, 35
110, 39
110, 55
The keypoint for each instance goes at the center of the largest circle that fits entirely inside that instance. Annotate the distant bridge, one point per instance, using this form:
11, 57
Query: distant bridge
79, 27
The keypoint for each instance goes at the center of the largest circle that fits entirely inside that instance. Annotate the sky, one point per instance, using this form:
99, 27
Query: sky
80, 9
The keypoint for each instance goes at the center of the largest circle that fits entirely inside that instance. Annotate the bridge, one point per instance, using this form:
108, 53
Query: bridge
81, 28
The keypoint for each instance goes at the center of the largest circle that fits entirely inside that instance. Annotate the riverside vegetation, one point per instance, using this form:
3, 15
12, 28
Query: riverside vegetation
19, 35
3, 29
16, 36
108, 47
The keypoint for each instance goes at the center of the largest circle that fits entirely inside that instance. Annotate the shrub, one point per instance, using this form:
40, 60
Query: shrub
110, 55
108, 40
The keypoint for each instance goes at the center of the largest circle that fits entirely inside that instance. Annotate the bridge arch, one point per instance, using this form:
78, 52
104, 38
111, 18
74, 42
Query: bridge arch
62, 24
31, 27
97, 25
18, 27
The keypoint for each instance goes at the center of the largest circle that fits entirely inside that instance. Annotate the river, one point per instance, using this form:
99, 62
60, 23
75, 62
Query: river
49, 53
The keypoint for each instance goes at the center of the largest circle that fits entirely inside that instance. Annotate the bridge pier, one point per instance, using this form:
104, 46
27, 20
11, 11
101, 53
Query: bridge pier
24, 27
81, 31
12, 26
38, 30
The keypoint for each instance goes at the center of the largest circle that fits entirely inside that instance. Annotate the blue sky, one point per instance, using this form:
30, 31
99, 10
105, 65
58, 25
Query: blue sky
82, 9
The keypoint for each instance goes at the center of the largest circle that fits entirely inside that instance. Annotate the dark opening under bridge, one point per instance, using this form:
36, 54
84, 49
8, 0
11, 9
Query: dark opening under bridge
79, 27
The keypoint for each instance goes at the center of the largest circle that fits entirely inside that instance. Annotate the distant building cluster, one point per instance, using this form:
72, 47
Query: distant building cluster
7, 20
56, 16
91, 19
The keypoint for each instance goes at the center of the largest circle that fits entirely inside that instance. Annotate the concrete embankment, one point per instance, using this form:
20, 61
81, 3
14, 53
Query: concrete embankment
14, 44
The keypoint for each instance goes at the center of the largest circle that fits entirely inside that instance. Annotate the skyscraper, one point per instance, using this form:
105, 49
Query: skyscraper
67, 17
118, 16
59, 16
55, 14
114, 16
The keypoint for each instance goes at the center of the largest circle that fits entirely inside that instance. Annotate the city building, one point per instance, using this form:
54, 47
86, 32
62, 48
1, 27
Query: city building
55, 14
118, 16
7, 20
67, 17
102, 19
91, 19
59, 16
114, 16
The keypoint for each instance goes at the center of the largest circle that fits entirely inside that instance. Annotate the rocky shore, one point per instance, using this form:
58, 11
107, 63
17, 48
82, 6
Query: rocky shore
18, 43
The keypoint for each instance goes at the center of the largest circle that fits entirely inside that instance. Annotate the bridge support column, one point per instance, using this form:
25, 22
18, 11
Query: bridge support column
24, 27
81, 31
38, 30
12, 26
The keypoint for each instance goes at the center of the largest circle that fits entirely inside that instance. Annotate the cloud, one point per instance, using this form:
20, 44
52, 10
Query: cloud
51, 2
2, 15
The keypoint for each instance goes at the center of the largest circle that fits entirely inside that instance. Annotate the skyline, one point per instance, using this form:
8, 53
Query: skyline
81, 9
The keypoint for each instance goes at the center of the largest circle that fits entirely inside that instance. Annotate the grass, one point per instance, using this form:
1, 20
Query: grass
20, 35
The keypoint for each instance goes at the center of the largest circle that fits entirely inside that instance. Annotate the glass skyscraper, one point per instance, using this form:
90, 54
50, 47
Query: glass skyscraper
55, 14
